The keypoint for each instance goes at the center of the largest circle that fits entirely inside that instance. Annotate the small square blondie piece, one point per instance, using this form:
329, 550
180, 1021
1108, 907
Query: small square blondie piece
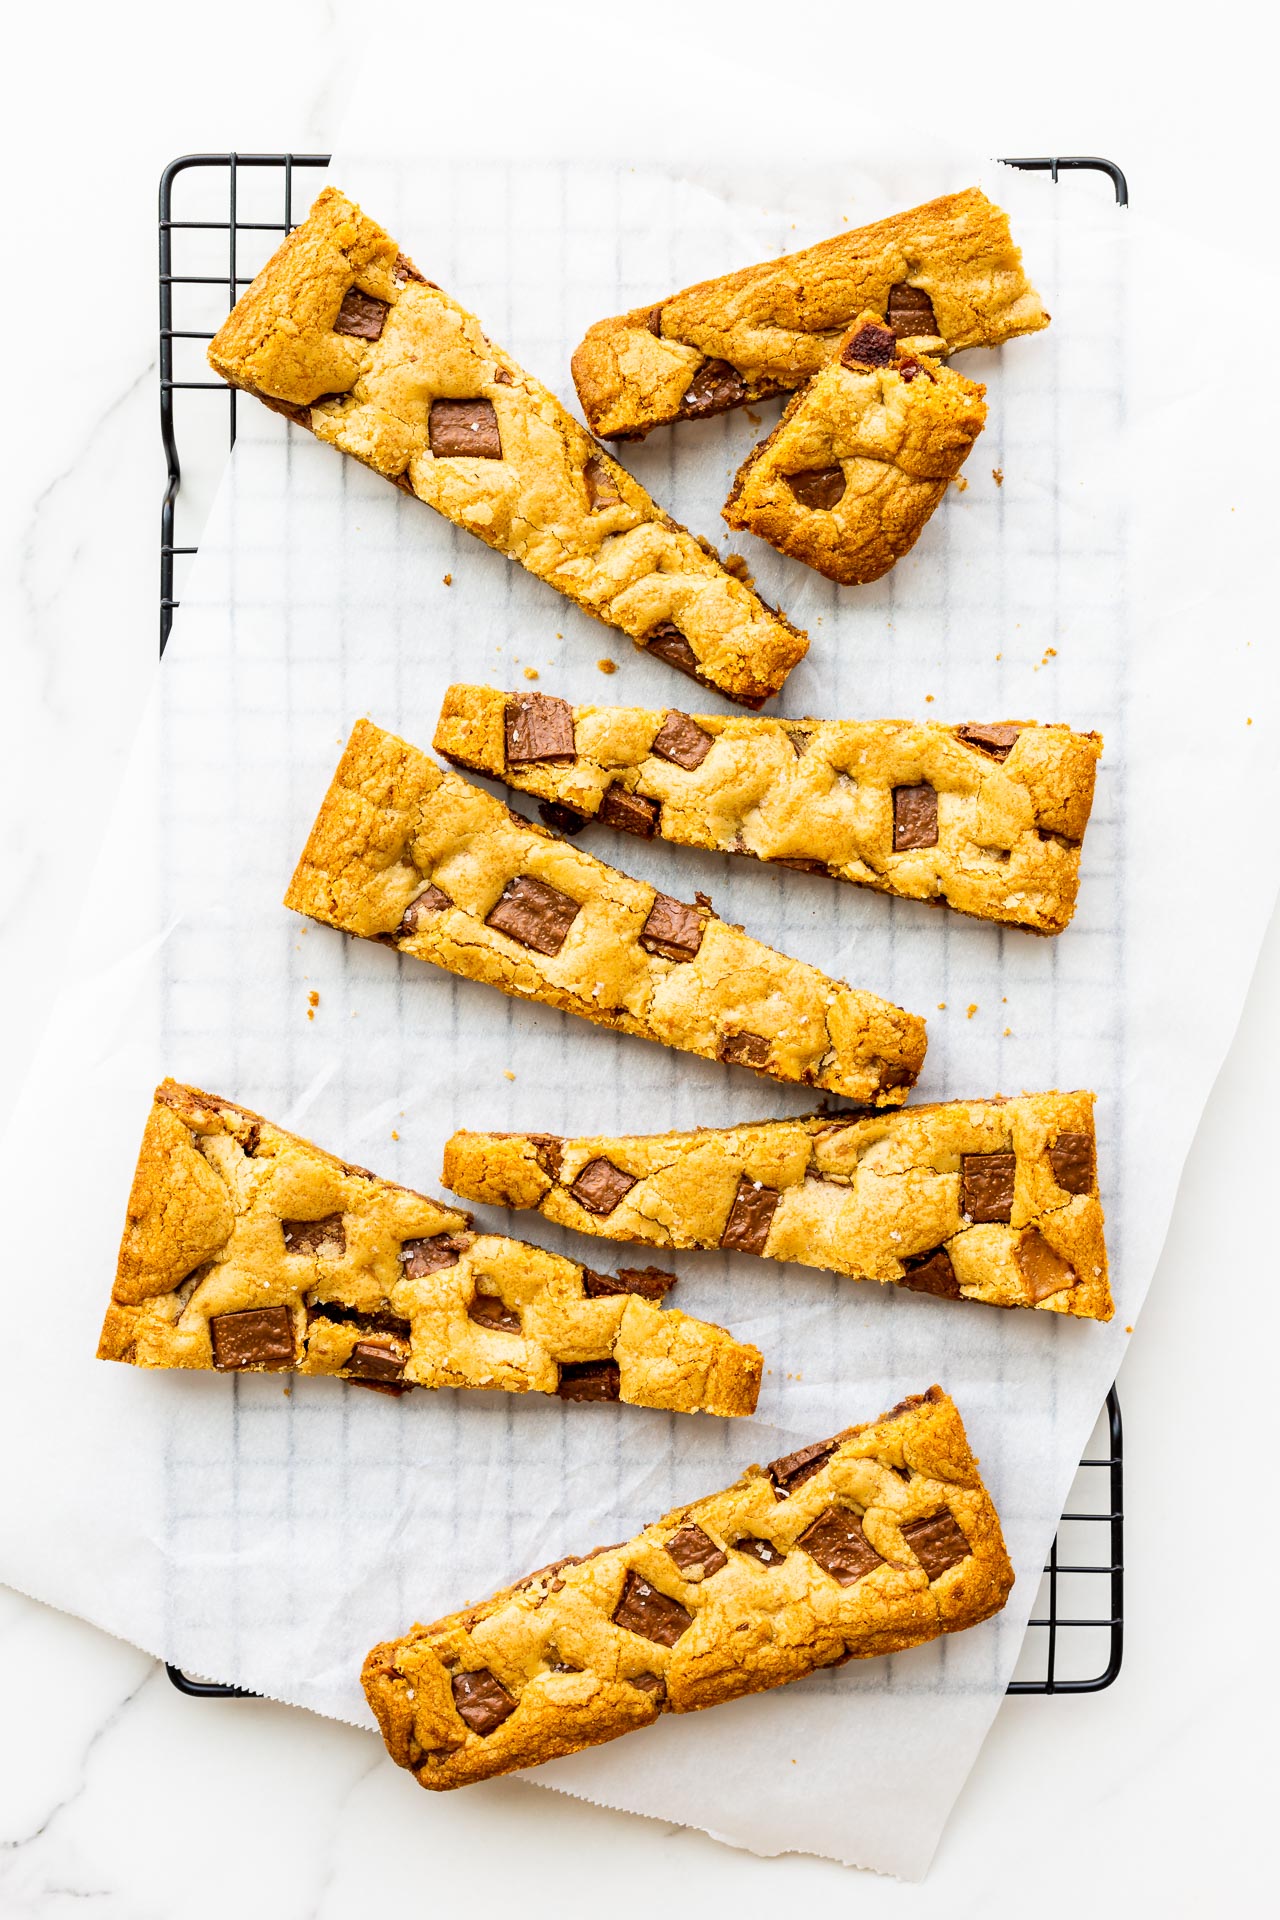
860, 458
945, 275
249, 1250
408, 854
874, 1540
991, 1200
989, 818
342, 334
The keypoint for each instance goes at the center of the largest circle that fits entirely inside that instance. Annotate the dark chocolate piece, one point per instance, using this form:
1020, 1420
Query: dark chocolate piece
744, 1050
424, 907
651, 1283
439, 1250
327, 1236
464, 429
629, 812
561, 818
650, 1683
654, 322
370, 1360
695, 1553
249, 1145
300, 416
986, 1185
549, 1149
750, 1217
405, 270
1071, 1157
911, 312
871, 346
337, 1312
762, 1550
536, 915
481, 1699
1042, 1267
539, 727
589, 1380
602, 489
931, 1273
818, 487
672, 929
937, 1542
997, 741
791, 1470
643, 1610
840, 1547
714, 388
681, 740
262, 1337
669, 644
601, 1186
501, 378
487, 1310
915, 818
361, 315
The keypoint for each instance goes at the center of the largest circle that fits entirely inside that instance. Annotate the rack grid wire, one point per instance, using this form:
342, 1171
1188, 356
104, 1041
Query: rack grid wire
236, 208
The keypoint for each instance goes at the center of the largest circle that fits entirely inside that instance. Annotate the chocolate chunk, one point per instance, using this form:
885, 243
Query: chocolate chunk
695, 1553
654, 322
601, 1186
501, 378
937, 1542
249, 1145
681, 740
539, 727
488, 1311
672, 929
549, 1151
536, 915
840, 1547
361, 315
1071, 1157
799, 739
481, 1699
563, 819
669, 644
649, 1683
629, 812
300, 416
327, 1236
986, 1185
818, 487
462, 429
997, 740
602, 490
911, 312
744, 1050
405, 270
404, 483
563, 1666
589, 1380
1044, 1270
931, 1273
762, 1550
263, 1337
714, 388
338, 1313
750, 1217
791, 1470
424, 907
802, 866
915, 818
651, 1283
642, 1609
370, 1360
871, 346
439, 1250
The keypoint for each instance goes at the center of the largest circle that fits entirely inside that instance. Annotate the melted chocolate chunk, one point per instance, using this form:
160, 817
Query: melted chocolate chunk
643, 1610
404, 483
481, 1699
672, 929
802, 866
370, 1360
249, 1145
750, 1217
263, 1337
650, 1683
438, 1250
536, 915
590, 1380
539, 727
340, 1314
799, 739
563, 819
654, 322
601, 1186
549, 1150
840, 1547
695, 1553
819, 487
986, 1185
424, 907
744, 1050
931, 1273
602, 490
791, 1470
629, 812
915, 818
1071, 1157
911, 312
405, 270
762, 1550
937, 1542
669, 644
361, 315
649, 1282
997, 741
501, 378
871, 346
714, 388
300, 416
681, 740
488, 1311
1044, 1270
464, 429
327, 1236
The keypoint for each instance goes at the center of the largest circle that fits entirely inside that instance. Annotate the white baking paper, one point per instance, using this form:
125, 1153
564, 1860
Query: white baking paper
269, 1533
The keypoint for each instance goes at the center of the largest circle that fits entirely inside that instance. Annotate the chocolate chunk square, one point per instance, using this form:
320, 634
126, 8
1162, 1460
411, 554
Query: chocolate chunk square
672, 929
629, 812
487, 1310
915, 818
762, 1550
818, 488
911, 312
371, 1360
539, 727
589, 1380
871, 346
651, 1283
481, 1699
601, 487
464, 429
791, 1470
601, 1186
327, 1236
439, 1250
745, 1050
1042, 1267
986, 1185
931, 1273
997, 741
262, 1337
1071, 1157
750, 1217
937, 1542
682, 741
361, 315
840, 1547
643, 1610
536, 915
423, 907
695, 1553
714, 388
669, 644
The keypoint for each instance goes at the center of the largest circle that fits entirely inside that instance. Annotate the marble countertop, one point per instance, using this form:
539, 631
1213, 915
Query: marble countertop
113, 1788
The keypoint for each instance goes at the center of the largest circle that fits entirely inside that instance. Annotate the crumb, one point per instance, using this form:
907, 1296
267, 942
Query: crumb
1008, 1033
735, 564
507, 1074
1249, 723
942, 1006
531, 673
1004, 999
754, 418
962, 485
559, 636
999, 656
448, 580
394, 1134
970, 1010
997, 474
313, 1001
1127, 1330
607, 666
288, 1390
928, 699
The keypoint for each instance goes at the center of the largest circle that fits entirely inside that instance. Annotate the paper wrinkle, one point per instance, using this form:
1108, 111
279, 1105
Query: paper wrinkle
273, 1531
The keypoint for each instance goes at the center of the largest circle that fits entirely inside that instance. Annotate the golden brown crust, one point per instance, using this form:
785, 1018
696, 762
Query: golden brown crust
548, 496
775, 325
544, 1668
395, 828
872, 1197
342, 1273
1013, 804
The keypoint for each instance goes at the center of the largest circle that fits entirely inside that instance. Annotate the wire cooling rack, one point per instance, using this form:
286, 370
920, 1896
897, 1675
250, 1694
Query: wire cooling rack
221, 217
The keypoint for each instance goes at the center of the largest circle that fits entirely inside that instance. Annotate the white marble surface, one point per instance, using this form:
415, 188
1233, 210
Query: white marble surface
113, 1788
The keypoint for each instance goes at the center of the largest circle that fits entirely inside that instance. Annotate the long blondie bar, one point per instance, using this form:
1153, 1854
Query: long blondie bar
414, 856
860, 458
872, 1541
945, 275
246, 1249
341, 333
993, 1200
988, 818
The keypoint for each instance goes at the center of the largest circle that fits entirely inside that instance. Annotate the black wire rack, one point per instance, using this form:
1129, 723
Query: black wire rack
221, 216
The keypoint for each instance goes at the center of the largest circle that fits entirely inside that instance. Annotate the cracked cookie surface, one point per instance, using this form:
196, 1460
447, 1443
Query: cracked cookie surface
247, 1249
